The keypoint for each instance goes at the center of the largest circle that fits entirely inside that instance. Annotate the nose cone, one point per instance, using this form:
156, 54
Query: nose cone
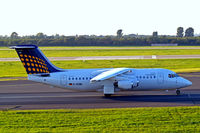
188, 83
184, 82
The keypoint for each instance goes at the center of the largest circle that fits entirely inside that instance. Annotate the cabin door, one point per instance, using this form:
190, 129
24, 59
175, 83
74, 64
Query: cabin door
63, 80
160, 78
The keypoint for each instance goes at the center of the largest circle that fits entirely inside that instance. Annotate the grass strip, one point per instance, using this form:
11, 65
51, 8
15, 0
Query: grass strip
165, 119
15, 69
105, 52
150, 47
12, 78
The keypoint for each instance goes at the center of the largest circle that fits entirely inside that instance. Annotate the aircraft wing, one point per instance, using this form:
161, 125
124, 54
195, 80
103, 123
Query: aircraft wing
109, 74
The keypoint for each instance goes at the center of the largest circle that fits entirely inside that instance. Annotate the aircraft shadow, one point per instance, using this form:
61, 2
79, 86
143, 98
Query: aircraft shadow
157, 98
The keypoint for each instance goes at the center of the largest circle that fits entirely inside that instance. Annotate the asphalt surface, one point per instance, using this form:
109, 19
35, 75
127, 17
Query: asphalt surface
23, 94
114, 57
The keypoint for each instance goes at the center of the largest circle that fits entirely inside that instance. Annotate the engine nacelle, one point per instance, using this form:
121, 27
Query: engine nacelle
127, 84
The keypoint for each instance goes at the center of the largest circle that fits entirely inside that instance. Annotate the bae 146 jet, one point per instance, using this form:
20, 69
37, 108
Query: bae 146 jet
40, 69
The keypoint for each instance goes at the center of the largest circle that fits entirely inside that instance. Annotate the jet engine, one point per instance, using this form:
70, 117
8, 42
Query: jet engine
126, 84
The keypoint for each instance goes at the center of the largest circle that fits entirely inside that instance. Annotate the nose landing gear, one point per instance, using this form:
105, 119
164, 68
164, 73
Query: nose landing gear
107, 95
178, 92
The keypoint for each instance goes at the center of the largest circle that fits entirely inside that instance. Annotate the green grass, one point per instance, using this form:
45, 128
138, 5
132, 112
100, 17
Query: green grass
15, 69
8, 54
4, 47
12, 78
118, 52
173, 119
106, 52
44, 47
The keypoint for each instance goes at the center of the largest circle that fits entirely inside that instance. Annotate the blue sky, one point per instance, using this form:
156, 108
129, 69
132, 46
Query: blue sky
99, 17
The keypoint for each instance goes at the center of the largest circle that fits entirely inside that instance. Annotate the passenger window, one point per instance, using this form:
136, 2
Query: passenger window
143, 77
140, 76
79, 78
83, 78
154, 77
76, 78
69, 78
72, 78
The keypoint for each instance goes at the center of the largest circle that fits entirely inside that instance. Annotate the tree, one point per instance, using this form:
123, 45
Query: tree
180, 31
14, 35
155, 34
40, 35
189, 32
119, 33
57, 36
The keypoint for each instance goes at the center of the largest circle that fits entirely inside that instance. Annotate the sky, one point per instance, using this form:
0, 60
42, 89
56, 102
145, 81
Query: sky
98, 17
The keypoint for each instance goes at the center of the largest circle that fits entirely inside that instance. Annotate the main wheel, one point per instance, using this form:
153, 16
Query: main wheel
178, 92
107, 95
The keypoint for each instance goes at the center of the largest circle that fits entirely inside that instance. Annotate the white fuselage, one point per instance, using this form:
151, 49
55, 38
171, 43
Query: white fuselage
79, 79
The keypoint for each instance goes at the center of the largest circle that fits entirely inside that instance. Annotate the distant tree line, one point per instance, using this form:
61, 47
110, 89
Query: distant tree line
182, 38
101, 41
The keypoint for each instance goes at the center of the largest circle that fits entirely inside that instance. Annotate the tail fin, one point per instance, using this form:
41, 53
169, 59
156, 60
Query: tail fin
34, 60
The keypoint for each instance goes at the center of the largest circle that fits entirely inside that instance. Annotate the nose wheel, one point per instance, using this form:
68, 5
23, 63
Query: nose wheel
178, 92
107, 95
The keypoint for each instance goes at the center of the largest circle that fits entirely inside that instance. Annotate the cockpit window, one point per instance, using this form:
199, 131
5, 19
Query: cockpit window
176, 75
173, 75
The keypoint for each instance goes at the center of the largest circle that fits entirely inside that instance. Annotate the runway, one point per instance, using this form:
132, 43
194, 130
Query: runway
114, 57
23, 94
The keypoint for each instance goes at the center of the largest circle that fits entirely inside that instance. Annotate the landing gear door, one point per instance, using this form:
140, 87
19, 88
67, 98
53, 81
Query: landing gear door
63, 81
160, 78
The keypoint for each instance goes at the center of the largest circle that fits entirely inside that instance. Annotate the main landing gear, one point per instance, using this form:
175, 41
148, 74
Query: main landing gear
178, 92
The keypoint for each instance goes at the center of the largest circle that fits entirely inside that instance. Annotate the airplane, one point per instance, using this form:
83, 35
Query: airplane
109, 80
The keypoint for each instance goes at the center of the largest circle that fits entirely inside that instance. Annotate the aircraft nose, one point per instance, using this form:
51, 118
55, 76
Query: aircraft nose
188, 83
184, 82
